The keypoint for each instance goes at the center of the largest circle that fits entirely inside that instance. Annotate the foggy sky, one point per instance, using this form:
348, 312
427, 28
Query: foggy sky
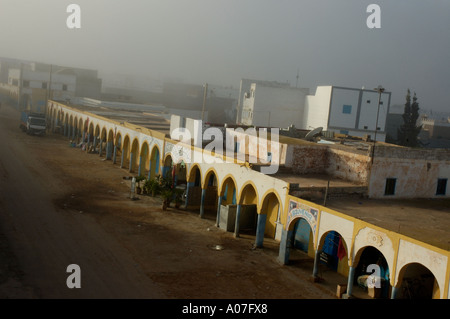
222, 41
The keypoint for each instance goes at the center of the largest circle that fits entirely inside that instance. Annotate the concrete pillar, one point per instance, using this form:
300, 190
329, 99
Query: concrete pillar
394, 292
316, 265
109, 148
351, 275
101, 148
219, 203
189, 185
122, 158
115, 154
140, 166
202, 203
84, 136
131, 162
65, 129
260, 228
95, 142
283, 254
236, 223
88, 141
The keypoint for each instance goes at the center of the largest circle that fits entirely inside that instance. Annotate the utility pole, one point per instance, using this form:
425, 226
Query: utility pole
19, 98
380, 90
50, 83
48, 87
205, 92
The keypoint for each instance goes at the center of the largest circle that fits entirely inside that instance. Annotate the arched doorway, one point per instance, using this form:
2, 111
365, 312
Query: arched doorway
209, 196
103, 141
417, 282
167, 167
247, 210
302, 245
332, 254
194, 188
270, 207
267, 219
134, 159
144, 160
154, 163
227, 204
110, 145
70, 127
369, 260
80, 130
118, 151
124, 162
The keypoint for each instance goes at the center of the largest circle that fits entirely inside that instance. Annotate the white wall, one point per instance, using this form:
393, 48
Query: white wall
317, 109
274, 106
37, 78
341, 97
368, 112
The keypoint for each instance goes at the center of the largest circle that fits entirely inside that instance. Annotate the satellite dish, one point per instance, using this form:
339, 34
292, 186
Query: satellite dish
313, 133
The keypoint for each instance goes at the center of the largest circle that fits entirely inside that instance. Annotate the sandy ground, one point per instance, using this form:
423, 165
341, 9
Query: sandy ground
62, 206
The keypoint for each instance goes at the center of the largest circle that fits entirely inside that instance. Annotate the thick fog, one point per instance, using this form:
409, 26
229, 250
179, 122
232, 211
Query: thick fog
221, 41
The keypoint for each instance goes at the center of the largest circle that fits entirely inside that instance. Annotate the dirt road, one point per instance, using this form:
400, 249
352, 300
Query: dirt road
61, 206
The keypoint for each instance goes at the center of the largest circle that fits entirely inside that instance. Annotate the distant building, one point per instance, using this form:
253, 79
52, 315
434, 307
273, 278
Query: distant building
244, 89
272, 106
341, 110
187, 100
394, 121
34, 87
28, 82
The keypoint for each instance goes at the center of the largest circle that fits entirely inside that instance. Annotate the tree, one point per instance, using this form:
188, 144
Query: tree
409, 131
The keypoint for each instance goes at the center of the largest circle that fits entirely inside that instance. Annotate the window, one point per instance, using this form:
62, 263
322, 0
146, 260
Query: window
26, 83
441, 186
347, 109
64, 88
44, 85
390, 186
368, 101
365, 127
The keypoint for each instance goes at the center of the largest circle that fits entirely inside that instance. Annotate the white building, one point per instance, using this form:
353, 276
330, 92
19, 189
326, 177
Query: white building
347, 111
34, 86
266, 105
341, 110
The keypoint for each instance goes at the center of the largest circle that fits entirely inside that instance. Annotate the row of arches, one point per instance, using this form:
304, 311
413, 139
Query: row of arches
215, 196
142, 159
238, 207
414, 280
204, 190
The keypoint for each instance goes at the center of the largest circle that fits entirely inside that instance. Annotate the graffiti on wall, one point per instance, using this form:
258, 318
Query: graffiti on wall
297, 209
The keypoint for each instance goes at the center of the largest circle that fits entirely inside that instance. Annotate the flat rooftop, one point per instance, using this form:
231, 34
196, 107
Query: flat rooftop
314, 180
154, 120
427, 220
